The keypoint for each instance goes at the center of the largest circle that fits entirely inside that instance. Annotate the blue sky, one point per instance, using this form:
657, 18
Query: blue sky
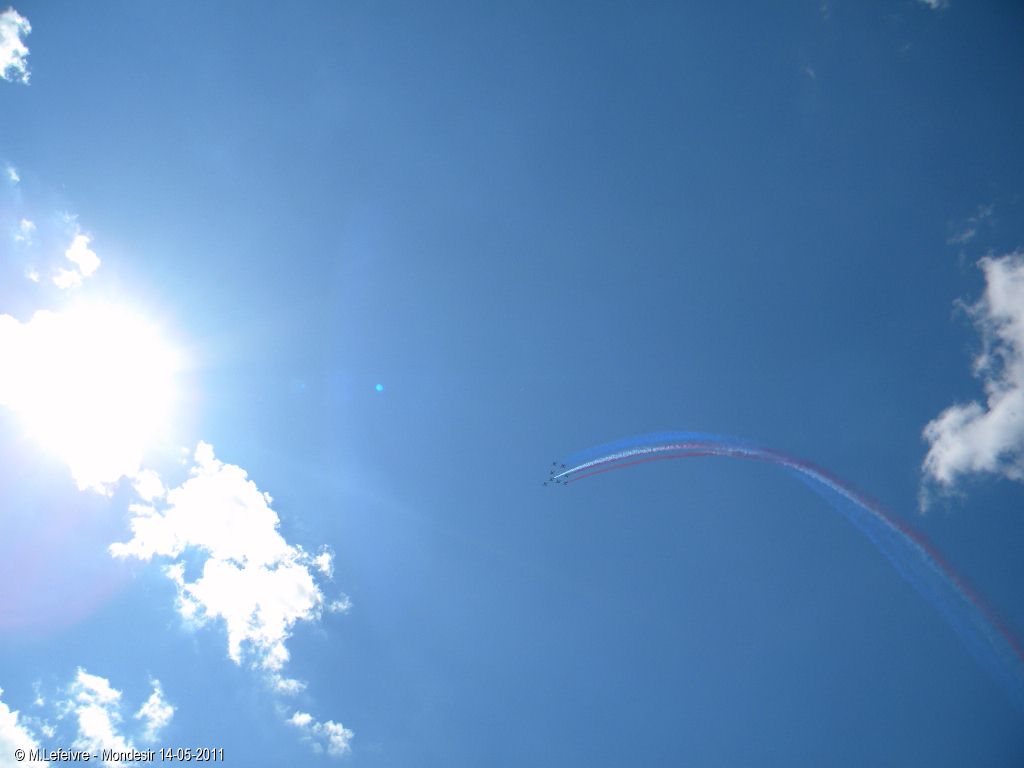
538, 227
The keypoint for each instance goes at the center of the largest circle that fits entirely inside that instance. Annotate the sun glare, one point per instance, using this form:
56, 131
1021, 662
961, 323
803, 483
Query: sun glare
93, 384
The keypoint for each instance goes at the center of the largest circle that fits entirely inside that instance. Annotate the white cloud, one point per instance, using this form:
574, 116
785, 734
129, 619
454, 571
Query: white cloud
148, 486
341, 605
12, 174
85, 260
935, 4
259, 604
93, 706
217, 510
155, 713
25, 230
82, 256
987, 438
325, 563
329, 736
67, 278
97, 707
14, 735
252, 579
32, 275
287, 686
13, 51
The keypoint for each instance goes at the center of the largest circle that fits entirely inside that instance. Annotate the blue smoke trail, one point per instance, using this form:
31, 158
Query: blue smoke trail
984, 635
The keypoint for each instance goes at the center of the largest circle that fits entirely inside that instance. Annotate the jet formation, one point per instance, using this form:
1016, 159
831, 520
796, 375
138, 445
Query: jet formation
556, 469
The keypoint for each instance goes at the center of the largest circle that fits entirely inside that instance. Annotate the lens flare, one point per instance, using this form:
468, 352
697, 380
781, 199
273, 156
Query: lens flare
93, 385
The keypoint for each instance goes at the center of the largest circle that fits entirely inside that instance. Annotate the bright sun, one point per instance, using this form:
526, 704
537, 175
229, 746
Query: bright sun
93, 384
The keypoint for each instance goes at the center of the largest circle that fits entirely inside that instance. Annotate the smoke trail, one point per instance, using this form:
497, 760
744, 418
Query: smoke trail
985, 636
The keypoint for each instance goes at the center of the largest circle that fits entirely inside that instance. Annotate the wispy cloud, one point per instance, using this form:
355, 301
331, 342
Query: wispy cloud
24, 233
59, 232
935, 5
968, 229
329, 736
155, 713
342, 604
13, 51
12, 174
986, 437
963, 236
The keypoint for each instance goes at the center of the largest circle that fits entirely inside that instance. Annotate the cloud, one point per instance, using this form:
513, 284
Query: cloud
249, 577
12, 174
13, 27
25, 230
324, 563
148, 485
96, 707
155, 713
964, 236
14, 735
341, 605
67, 278
93, 706
13, 51
986, 437
935, 5
329, 736
253, 580
969, 228
81, 255
85, 260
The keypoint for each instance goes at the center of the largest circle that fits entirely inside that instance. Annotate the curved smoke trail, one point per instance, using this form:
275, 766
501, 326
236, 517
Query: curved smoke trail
986, 637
